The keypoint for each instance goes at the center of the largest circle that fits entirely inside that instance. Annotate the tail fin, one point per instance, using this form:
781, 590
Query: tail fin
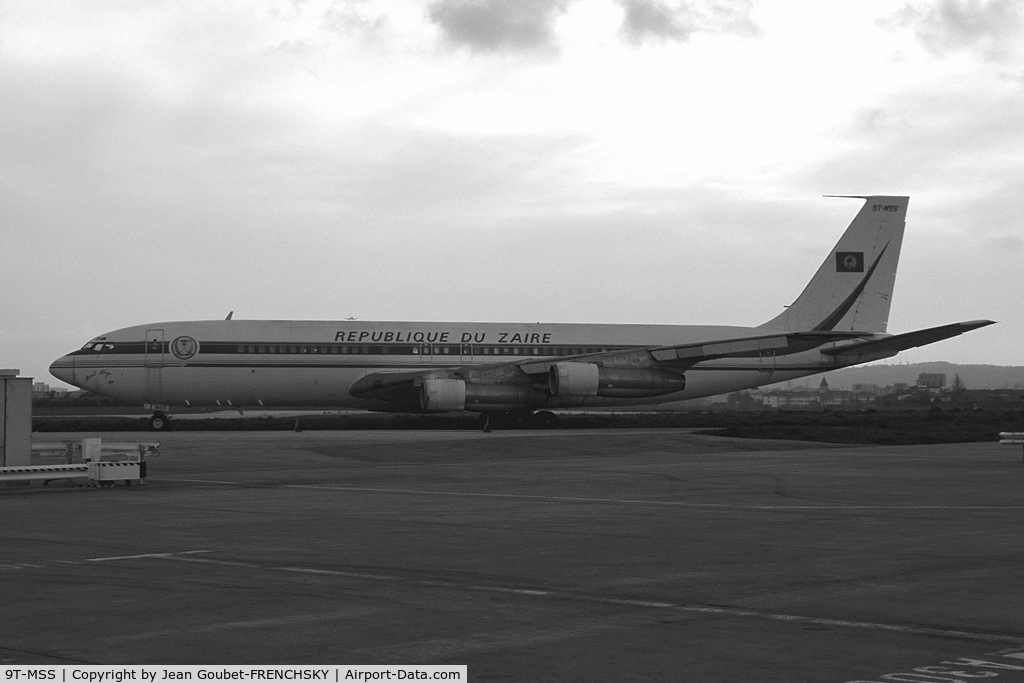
852, 290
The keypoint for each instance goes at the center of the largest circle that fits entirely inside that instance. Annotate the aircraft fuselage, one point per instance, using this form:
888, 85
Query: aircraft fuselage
312, 363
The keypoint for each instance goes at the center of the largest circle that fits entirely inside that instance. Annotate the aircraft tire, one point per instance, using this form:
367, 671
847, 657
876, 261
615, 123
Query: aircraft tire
545, 419
159, 423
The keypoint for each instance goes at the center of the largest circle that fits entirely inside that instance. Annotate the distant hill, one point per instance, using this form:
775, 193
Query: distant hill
973, 376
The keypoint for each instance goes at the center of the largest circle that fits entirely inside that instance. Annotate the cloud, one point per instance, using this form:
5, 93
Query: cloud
529, 25
650, 19
655, 20
870, 120
992, 28
497, 25
346, 17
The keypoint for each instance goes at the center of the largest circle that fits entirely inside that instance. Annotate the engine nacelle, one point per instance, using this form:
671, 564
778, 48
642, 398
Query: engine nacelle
574, 379
589, 379
444, 395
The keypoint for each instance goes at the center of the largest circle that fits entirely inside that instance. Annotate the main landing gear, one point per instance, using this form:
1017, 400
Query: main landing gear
159, 423
518, 419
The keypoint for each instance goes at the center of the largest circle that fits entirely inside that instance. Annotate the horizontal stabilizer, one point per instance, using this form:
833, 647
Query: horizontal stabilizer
901, 342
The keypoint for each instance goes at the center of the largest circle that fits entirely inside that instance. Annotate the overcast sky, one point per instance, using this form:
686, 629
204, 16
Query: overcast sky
496, 160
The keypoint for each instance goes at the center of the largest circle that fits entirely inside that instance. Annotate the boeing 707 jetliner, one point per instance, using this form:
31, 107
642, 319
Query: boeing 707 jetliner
517, 370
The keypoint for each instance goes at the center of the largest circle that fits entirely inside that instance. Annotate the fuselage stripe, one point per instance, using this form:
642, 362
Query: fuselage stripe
309, 349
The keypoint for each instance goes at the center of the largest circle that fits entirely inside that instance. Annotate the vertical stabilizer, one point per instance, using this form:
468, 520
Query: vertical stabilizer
852, 290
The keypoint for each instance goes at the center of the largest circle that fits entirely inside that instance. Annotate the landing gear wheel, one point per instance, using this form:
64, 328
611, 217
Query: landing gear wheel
519, 419
159, 423
545, 419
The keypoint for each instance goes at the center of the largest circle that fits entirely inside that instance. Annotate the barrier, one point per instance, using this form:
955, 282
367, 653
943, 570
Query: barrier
106, 473
102, 464
44, 472
69, 452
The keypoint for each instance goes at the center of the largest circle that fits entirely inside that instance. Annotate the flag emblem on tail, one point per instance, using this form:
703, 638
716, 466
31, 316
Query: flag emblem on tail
849, 261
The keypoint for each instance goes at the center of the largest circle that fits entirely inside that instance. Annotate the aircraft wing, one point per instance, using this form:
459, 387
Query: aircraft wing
401, 390
680, 357
900, 342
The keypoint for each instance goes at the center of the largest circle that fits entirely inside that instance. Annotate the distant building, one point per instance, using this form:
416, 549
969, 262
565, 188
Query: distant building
810, 398
931, 380
44, 390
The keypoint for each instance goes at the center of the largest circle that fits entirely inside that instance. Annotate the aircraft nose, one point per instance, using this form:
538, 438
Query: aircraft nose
64, 369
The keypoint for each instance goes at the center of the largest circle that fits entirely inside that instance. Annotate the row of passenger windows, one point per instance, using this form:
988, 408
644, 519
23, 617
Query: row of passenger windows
371, 349
424, 349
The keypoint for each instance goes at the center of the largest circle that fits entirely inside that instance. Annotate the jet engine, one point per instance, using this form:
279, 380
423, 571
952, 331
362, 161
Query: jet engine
443, 395
590, 379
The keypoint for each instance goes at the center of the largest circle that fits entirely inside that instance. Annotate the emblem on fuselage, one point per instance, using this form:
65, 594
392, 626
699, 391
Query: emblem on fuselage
184, 347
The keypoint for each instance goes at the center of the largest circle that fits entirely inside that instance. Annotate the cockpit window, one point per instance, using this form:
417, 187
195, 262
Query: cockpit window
98, 346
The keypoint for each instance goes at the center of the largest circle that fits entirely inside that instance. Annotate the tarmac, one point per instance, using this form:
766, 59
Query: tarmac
564, 555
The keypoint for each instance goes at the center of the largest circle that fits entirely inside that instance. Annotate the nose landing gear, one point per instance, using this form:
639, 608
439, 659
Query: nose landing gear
159, 422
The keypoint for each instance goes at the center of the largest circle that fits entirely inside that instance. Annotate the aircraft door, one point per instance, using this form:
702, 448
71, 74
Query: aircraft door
426, 353
466, 353
154, 345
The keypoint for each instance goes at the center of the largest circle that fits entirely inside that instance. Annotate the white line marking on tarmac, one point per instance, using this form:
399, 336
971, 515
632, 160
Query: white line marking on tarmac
143, 555
474, 643
616, 501
724, 610
246, 624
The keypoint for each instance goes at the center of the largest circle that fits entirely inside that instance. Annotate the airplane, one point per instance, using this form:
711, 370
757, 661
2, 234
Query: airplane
512, 373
